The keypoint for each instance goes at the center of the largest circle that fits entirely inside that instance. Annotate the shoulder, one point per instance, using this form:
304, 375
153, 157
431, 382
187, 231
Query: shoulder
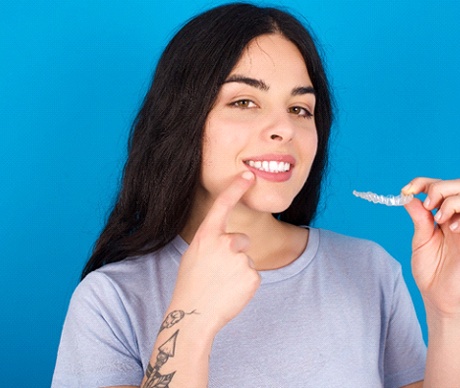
350, 246
130, 278
356, 254
133, 270
363, 272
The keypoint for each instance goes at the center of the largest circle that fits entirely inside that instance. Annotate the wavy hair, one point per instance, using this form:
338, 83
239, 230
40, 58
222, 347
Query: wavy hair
162, 171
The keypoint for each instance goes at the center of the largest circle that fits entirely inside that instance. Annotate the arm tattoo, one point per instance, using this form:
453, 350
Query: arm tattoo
168, 349
174, 317
154, 378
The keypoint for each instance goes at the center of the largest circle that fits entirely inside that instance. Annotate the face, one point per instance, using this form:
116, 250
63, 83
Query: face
262, 121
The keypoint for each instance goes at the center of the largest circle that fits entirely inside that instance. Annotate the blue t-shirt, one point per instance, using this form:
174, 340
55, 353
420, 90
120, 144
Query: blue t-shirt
338, 316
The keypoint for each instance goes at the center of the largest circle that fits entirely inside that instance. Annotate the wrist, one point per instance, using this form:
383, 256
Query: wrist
443, 325
196, 322
443, 357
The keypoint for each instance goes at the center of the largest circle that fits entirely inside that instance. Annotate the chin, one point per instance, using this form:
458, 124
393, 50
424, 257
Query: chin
269, 205
270, 199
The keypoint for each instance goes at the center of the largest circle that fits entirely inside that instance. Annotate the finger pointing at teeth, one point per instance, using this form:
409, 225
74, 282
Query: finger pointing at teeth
217, 218
216, 277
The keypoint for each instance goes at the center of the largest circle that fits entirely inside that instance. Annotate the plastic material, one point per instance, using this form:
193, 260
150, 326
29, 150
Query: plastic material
389, 200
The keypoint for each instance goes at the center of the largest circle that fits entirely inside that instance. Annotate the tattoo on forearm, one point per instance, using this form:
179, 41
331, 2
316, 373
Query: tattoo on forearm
174, 317
154, 378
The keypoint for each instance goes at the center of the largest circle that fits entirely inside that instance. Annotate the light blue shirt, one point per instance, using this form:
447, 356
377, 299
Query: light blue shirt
338, 316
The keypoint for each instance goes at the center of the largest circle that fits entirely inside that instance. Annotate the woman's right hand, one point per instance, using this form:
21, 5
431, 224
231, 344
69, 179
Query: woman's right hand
216, 277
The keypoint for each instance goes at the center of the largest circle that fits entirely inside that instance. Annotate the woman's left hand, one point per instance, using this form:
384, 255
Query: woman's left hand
436, 244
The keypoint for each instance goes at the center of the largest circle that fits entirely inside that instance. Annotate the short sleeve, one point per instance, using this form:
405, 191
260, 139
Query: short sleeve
98, 346
405, 351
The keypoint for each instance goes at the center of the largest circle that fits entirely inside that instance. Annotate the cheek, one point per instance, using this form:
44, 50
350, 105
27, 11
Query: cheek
314, 147
309, 146
307, 151
219, 158
216, 152
222, 143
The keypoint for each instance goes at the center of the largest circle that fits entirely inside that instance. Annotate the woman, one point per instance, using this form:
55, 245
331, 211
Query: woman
207, 274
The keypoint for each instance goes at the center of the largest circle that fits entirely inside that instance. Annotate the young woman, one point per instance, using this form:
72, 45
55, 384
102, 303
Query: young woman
207, 273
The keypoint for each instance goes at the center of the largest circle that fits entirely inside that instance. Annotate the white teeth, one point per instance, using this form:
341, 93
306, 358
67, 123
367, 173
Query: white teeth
270, 166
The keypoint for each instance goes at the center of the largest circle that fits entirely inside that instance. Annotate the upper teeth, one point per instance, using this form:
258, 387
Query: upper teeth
269, 166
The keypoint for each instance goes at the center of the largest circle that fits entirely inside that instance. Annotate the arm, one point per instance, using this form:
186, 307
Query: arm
181, 355
214, 283
436, 269
443, 357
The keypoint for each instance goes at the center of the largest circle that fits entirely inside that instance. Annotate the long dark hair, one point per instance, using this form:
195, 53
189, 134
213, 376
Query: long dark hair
164, 151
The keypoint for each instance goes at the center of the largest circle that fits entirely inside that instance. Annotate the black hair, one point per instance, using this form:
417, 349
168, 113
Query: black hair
162, 171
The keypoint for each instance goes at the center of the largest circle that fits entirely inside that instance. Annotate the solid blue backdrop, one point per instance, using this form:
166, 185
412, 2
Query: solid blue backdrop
73, 74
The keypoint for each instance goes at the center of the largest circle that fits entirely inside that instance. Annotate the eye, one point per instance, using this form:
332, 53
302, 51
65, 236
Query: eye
243, 104
301, 112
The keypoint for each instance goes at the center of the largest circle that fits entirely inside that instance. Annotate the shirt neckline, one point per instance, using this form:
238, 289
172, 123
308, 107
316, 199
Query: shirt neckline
274, 275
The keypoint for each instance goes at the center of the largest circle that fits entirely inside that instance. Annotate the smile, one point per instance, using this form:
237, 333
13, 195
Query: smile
269, 165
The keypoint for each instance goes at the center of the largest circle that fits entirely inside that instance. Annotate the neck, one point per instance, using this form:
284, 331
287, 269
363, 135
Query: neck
273, 243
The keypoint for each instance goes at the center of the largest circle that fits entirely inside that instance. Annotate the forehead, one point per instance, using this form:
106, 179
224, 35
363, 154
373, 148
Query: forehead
269, 54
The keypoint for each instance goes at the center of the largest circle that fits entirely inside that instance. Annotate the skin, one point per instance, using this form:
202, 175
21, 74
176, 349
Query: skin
231, 230
232, 233
247, 122
436, 270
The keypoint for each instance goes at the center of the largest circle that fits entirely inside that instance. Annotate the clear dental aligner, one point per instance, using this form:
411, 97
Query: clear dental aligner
389, 200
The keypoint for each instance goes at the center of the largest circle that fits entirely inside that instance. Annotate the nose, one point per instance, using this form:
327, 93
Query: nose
276, 137
280, 128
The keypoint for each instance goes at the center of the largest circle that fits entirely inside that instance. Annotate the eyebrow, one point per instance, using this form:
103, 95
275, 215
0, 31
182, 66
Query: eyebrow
261, 85
256, 83
303, 90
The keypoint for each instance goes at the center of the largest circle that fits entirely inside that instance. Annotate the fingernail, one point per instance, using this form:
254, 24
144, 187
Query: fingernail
248, 175
406, 189
438, 215
454, 226
426, 203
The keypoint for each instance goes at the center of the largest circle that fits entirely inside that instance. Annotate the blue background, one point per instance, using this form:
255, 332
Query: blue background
73, 74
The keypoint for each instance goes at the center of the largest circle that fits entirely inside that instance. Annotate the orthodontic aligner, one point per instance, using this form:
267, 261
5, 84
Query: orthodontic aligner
390, 200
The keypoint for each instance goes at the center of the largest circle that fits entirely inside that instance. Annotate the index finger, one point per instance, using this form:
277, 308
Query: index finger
217, 217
